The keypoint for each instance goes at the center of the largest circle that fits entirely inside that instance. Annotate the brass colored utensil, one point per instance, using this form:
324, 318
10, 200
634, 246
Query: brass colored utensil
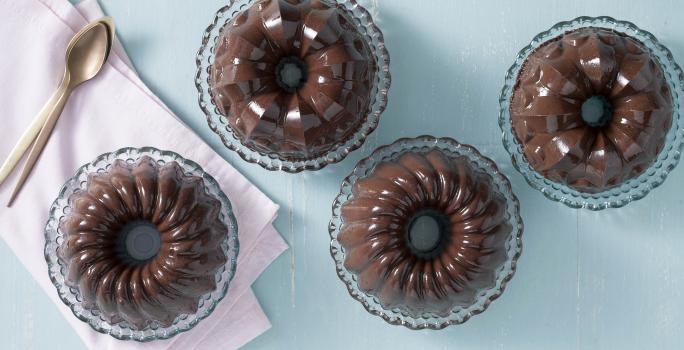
86, 54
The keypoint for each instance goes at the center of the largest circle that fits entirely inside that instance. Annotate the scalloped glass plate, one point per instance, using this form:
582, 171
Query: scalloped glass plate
513, 246
632, 189
70, 296
271, 161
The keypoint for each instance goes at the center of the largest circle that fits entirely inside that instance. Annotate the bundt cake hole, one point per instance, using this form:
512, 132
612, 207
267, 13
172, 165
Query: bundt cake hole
138, 242
291, 73
426, 235
597, 111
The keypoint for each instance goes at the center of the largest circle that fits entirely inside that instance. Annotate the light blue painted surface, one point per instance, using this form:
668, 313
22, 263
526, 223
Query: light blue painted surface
611, 279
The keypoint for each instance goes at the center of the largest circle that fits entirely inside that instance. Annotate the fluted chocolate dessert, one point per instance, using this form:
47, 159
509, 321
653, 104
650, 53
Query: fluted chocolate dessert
293, 77
425, 274
591, 109
142, 242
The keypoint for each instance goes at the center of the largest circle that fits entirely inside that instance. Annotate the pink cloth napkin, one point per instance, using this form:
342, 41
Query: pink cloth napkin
113, 110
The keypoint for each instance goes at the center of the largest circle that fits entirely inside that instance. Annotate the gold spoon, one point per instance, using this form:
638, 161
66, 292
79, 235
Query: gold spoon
86, 54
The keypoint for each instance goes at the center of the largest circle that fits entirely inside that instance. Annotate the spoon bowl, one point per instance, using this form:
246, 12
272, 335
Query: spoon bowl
88, 52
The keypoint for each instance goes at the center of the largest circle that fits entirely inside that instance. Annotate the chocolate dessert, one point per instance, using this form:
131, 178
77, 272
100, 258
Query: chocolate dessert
293, 77
425, 233
142, 243
591, 109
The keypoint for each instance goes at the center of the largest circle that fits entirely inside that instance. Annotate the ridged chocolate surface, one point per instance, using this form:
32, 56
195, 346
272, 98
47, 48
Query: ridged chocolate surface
169, 284
329, 107
375, 228
546, 108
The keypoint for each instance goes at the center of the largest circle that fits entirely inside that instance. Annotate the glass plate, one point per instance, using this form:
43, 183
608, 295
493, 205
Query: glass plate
70, 296
632, 189
450, 148
271, 161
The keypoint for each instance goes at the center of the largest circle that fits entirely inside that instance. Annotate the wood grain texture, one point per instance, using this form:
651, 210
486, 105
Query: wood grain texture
586, 280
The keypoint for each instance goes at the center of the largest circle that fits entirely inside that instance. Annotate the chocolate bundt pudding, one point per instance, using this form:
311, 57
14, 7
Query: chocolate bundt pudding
425, 233
142, 243
591, 109
293, 77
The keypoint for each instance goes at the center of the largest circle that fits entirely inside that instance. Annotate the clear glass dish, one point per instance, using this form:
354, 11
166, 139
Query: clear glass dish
272, 161
509, 249
632, 189
54, 237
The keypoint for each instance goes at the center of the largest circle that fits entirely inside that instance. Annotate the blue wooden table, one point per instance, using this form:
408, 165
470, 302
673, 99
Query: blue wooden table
609, 279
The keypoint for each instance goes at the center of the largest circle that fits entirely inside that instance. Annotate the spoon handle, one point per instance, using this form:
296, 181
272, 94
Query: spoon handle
42, 138
30, 134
